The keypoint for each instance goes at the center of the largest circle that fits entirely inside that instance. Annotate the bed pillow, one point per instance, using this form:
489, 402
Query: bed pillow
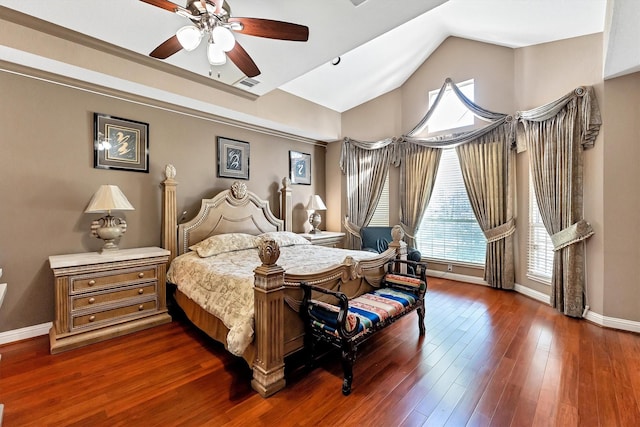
221, 243
285, 238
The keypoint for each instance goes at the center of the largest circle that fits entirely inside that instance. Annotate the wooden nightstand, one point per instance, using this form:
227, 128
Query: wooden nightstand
332, 239
103, 295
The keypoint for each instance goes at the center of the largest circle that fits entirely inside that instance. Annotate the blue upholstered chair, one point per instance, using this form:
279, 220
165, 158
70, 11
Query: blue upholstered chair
377, 239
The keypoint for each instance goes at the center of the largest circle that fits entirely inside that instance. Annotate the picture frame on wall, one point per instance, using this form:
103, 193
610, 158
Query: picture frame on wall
233, 158
300, 167
120, 144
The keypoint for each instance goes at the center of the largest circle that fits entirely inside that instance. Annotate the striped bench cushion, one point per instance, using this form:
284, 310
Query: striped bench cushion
371, 308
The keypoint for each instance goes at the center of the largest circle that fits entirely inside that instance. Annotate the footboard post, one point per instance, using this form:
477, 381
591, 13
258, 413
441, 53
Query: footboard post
170, 213
268, 367
400, 247
285, 204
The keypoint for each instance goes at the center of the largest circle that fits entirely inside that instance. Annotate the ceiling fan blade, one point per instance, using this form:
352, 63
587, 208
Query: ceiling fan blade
272, 29
166, 49
164, 4
241, 58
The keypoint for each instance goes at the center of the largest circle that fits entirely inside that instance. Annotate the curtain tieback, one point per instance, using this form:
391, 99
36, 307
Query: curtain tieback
577, 232
501, 231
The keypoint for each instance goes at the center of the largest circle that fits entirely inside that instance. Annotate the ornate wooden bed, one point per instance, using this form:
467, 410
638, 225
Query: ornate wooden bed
278, 329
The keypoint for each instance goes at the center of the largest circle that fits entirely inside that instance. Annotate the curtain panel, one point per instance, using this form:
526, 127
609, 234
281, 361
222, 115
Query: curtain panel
556, 135
418, 170
488, 172
366, 165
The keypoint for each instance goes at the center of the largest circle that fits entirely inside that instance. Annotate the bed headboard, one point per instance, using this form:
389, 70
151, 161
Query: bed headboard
236, 210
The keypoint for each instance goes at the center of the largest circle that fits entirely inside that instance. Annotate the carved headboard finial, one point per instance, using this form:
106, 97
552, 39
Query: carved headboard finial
286, 182
268, 251
239, 189
397, 233
170, 171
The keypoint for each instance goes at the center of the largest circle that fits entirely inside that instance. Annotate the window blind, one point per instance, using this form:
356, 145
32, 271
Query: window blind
449, 230
540, 248
381, 214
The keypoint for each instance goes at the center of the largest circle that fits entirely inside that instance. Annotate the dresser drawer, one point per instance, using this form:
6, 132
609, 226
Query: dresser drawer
97, 298
111, 279
109, 316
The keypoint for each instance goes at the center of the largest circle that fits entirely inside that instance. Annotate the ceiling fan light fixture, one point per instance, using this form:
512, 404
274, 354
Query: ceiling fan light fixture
189, 37
224, 38
215, 54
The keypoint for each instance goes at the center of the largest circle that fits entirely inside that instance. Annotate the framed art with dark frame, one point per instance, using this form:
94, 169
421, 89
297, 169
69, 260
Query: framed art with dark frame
300, 167
120, 144
233, 158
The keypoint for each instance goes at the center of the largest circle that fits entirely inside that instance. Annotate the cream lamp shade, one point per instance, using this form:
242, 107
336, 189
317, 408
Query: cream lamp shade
108, 228
315, 204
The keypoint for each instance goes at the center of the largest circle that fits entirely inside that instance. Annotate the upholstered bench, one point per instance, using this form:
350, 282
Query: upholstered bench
350, 322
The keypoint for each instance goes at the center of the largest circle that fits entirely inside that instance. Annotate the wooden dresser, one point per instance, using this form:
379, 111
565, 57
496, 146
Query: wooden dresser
103, 295
332, 239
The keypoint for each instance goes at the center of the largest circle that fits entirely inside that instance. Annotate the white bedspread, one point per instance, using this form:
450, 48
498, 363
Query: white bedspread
223, 284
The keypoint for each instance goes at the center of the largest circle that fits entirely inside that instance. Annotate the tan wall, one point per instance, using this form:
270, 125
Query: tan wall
621, 201
48, 178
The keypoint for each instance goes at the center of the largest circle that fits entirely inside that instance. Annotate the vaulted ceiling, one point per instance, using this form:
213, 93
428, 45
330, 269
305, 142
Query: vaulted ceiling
379, 43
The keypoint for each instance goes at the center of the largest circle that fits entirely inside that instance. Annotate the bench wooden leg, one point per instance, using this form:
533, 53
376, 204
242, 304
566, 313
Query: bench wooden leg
421, 313
348, 359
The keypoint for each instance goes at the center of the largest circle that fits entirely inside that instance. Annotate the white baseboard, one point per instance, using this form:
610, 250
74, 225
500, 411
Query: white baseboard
25, 333
532, 293
457, 277
613, 322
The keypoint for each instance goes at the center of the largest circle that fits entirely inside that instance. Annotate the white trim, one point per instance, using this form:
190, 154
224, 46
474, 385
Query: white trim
612, 322
458, 277
25, 333
533, 294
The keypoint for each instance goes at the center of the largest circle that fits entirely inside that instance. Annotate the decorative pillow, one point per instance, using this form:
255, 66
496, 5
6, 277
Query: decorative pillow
285, 238
222, 243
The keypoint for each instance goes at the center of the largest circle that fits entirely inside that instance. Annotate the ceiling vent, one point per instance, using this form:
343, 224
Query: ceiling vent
247, 83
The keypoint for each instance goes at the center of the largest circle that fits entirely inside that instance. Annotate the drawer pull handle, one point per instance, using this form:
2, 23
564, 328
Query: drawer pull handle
140, 291
92, 300
92, 318
92, 282
141, 307
141, 275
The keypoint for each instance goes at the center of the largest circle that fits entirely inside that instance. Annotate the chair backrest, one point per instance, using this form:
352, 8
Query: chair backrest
372, 236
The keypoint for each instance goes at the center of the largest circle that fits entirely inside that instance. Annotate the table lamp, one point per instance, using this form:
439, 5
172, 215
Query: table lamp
315, 204
108, 228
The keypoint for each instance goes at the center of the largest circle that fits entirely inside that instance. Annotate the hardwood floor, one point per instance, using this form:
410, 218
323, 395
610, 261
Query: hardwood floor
489, 358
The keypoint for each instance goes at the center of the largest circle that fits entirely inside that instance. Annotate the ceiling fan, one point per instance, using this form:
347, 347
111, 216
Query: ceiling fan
211, 20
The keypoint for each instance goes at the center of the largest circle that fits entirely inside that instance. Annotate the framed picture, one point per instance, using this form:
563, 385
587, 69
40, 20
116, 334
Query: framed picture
300, 167
120, 144
233, 158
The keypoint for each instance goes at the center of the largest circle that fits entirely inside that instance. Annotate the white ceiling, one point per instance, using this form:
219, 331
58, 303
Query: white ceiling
380, 43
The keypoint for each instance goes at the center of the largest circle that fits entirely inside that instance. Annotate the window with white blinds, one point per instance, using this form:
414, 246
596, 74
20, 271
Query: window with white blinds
381, 214
540, 250
449, 230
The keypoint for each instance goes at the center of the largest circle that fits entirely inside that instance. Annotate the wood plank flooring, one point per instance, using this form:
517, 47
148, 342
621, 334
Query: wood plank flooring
489, 358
